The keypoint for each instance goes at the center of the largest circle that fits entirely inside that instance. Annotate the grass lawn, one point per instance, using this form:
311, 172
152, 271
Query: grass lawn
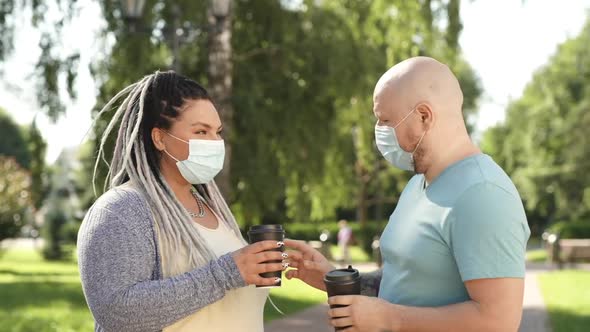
536, 255
291, 297
567, 295
41, 296
534, 243
357, 255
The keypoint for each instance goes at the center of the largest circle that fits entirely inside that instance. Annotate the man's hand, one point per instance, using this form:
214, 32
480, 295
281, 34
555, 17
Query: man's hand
495, 306
310, 265
364, 314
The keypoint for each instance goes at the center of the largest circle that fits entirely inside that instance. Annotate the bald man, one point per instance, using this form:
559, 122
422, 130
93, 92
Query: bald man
454, 248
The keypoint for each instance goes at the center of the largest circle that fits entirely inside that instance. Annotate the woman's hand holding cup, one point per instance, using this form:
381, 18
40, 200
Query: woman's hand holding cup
251, 261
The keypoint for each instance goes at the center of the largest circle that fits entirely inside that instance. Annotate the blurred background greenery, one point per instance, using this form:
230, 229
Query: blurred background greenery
293, 81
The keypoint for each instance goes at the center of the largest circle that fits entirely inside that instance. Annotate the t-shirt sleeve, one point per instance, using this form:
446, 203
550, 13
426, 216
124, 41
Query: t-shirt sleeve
488, 233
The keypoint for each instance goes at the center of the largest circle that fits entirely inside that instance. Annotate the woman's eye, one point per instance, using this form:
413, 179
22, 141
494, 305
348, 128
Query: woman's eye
201, 132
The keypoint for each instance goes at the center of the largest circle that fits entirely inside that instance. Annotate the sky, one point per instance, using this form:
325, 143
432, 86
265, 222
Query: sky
507, 40
504, 40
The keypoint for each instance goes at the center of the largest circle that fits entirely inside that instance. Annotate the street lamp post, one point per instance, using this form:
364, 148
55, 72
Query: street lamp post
133, 10
176, 33
219, 54
220, 77
220, 8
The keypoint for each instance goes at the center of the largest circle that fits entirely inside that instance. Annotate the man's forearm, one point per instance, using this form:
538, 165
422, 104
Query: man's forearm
370, 283
465, 316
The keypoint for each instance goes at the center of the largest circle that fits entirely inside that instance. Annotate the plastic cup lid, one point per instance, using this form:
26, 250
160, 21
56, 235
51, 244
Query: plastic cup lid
343, 275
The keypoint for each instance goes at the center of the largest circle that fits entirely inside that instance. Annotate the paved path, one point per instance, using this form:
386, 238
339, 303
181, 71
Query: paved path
314, 319
534, 318
534, 315
21, 243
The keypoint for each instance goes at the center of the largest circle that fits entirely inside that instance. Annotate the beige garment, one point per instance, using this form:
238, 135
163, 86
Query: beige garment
239, 310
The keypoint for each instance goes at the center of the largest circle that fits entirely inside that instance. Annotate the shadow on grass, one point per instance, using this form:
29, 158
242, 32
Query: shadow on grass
567, 321
64, 321
38, 274
287, 305
23, 322
39, 294
534, 320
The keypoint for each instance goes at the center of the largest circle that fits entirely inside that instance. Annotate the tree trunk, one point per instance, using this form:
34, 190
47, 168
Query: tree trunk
379, 206
220, 85
362, 179
361, 207
427, 16
454, 27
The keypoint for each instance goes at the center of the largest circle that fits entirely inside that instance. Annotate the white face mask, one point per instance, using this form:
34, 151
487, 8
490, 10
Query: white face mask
204, 162
389, 147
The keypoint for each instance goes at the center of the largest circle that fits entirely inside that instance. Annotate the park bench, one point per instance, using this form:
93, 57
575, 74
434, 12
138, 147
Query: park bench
574, 249
562, 251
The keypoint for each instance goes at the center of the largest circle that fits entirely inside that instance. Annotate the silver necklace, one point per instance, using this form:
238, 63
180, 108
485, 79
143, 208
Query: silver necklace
199, 200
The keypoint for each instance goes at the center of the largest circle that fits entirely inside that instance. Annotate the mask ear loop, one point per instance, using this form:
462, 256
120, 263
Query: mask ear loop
180, 139
169, 155
420, 141
405, 117
275, 306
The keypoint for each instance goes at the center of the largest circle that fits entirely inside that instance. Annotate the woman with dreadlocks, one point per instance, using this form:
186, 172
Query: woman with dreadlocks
160, 250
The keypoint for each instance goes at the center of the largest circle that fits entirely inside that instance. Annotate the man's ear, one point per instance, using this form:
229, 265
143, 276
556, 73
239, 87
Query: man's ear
426, 114
157, 139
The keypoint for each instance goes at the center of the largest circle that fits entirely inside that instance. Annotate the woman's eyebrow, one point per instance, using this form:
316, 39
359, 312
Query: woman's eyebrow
201, 124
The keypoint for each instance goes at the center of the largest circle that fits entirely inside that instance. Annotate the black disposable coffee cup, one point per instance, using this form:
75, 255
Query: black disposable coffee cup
259, 233
342, 282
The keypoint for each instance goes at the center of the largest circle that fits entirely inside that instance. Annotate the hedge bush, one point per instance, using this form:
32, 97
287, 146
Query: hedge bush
571, 229
52, 234
312, 231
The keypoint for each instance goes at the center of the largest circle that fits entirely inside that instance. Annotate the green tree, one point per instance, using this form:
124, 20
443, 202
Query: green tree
543, 143
13, 141
27, 148
302, 132
55, 69
14, 195
37, 147
358, 41
52, 232
63, 207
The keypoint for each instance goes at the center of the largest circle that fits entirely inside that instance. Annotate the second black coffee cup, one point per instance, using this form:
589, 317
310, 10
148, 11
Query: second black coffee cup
343, 282
259, 233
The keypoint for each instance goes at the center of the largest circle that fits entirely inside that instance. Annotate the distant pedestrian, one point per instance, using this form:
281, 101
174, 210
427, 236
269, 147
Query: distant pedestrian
344, 241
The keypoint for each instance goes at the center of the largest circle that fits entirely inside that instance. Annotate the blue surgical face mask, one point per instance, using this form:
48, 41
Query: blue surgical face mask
204, 162
389, 147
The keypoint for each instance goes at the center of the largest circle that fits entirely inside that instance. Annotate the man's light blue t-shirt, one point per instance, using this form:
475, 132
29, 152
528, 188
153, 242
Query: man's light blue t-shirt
469, 223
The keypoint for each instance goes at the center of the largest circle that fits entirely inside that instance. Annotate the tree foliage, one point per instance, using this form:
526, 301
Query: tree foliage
14, 195
544, 143
55, 68
22, 154
13, 142
39, 175
302, 138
